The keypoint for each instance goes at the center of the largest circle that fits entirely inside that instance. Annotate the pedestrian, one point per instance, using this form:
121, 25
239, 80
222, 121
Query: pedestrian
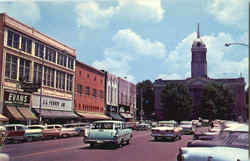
211, 123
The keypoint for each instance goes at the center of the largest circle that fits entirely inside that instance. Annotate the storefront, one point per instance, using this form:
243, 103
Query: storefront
54, 110
112, 112
92, 116
17, 107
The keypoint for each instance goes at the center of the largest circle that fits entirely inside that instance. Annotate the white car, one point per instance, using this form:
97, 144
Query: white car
167, 130
212, 154
187, 127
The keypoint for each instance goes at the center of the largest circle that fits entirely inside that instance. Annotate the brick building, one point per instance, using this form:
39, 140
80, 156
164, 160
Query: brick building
89, 93
29, 54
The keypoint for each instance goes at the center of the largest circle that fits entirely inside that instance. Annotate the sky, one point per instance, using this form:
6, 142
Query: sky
144, 39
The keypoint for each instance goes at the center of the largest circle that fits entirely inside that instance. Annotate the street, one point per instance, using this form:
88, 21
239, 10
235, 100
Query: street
141, 148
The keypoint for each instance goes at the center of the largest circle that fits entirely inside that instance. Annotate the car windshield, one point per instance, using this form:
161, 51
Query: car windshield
102, 125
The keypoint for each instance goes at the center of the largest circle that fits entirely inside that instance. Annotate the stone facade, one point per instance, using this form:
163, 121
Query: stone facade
198, 79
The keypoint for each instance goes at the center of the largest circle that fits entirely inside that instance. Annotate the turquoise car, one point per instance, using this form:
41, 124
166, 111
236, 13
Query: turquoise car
102, 132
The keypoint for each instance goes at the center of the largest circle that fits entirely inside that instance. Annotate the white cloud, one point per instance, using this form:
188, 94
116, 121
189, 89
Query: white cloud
221, 61
128, 47
91, 15
25, 11
231, 12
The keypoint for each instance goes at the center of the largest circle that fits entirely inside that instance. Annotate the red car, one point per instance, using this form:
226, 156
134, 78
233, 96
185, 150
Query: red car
52, 131
15, 132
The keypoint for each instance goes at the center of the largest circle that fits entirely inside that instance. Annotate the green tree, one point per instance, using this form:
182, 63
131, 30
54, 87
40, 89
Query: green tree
176, 102
147, 98
216, 102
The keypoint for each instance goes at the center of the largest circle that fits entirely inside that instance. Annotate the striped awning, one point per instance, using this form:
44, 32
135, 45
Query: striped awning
27, 113
93, 116
15, 114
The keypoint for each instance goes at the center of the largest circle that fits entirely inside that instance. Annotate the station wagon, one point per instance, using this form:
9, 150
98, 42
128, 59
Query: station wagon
115, 132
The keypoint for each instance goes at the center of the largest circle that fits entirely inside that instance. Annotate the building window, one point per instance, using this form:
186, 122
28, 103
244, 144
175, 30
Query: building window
70, 62
80, 73
87, 75
39, 49
79, 89
60, 80
50, 54
101, 94
38, 70
13, 39
11, 66
49, 76
62, 59
95, 78
24, 69
86, 90
69, 82
26, 44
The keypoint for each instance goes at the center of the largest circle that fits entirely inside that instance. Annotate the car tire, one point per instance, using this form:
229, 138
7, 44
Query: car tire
156, 138
91, 145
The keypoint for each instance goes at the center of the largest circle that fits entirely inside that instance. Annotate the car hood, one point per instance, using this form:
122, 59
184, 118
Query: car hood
33, 130
163, 128
217, 153
203, 143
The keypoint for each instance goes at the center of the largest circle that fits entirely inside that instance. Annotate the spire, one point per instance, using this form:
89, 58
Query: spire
198, 31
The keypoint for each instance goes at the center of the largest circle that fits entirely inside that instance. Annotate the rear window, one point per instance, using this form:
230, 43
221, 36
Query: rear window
10, 128
106, 125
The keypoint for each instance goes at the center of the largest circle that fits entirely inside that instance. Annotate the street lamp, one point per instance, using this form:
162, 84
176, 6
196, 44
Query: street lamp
229, 44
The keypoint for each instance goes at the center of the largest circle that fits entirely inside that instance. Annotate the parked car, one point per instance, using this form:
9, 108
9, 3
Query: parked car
187, 127
34, 132
234, 137
212, 154
196, 123
142, 126
166, 130
63, 131
79, 127
52, 131
102, 132
15, 132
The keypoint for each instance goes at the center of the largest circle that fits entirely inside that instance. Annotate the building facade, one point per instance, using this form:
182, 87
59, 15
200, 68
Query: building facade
90, 92
32, 56
198, 80
124, 99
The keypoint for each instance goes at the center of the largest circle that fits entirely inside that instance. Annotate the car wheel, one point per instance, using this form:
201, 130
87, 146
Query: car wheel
91, 145
155, 138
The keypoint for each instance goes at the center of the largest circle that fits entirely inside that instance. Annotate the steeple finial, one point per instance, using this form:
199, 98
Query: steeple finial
198, 31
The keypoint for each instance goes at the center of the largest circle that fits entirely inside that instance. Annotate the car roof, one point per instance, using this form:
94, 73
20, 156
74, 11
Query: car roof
167, 122
9, 125
108, 121
36, 125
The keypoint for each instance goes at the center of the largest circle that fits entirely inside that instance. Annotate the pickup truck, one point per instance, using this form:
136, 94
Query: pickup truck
103, 132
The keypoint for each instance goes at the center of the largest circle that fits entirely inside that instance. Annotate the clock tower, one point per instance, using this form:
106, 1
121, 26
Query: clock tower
199, 60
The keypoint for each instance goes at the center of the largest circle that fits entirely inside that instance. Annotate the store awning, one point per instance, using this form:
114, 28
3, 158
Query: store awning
27, 113
51, 114
3, 118
115, 116
93, 116
15, 114
126, 115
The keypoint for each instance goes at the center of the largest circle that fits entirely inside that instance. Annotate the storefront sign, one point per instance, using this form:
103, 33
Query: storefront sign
16, 98
52, 103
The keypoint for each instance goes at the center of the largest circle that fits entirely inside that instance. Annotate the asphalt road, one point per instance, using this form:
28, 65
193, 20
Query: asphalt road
142, 148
